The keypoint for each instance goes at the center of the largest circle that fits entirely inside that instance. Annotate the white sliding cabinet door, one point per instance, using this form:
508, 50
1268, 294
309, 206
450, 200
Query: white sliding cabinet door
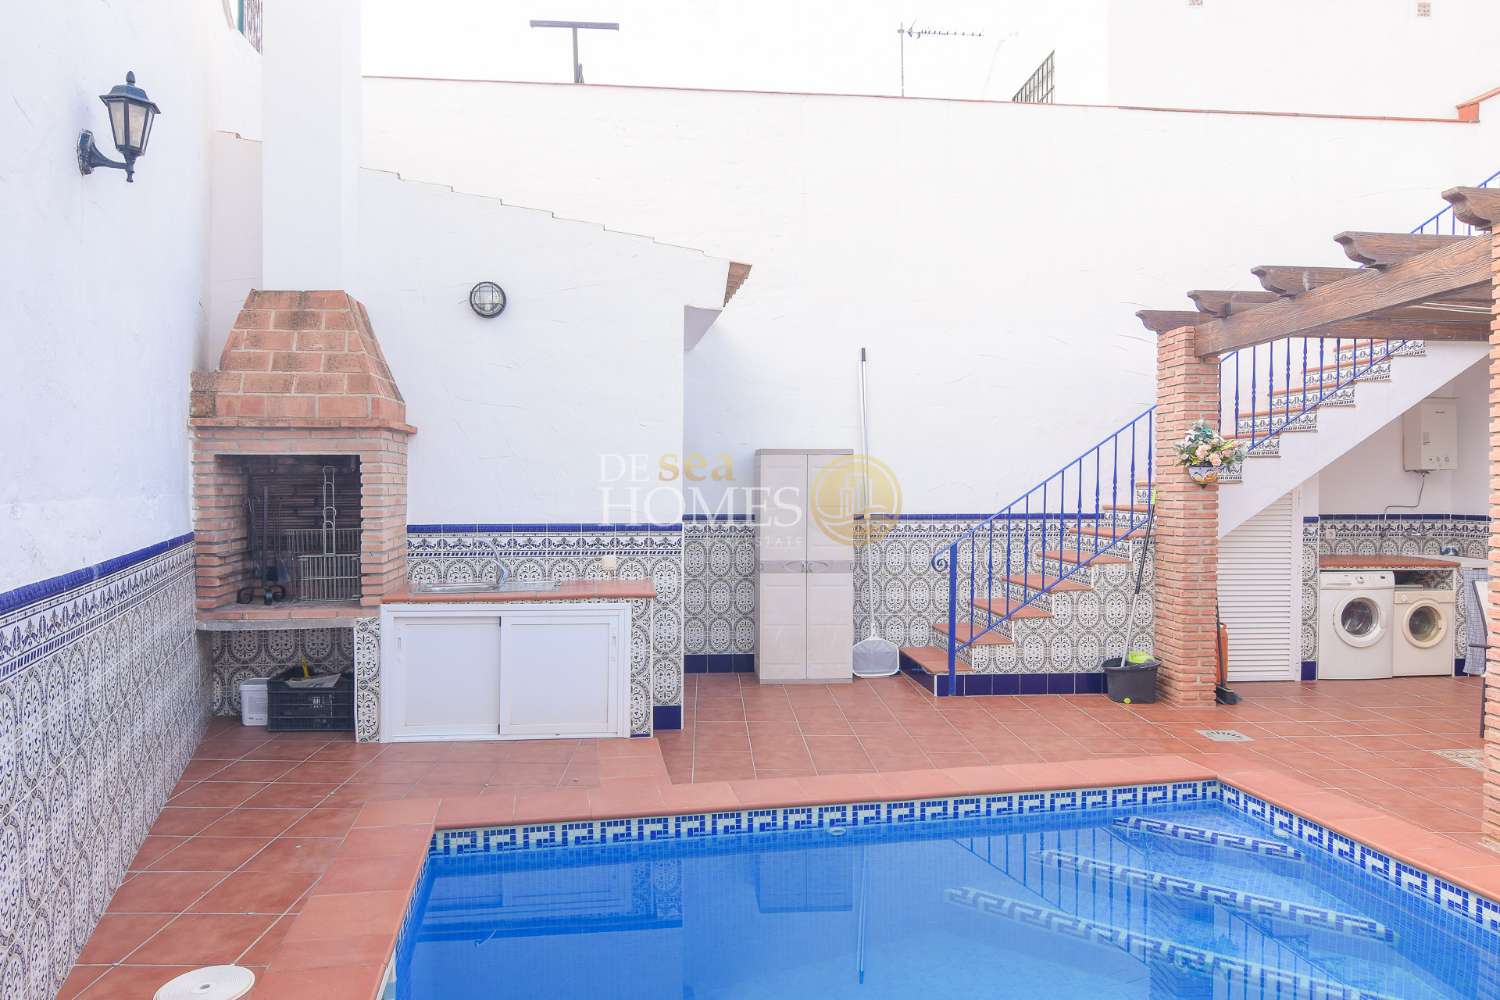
563, 675
447, 684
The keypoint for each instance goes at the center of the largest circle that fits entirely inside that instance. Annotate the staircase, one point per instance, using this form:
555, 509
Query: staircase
1039, 593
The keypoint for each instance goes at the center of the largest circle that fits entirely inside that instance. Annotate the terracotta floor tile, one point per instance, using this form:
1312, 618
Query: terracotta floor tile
162, 892
253, 770
176, 821
152, 848
201, 939
217, 793
209, 854
259, 953
244, 822
259, 892
353, 794
80, 978
323, 822
721, 737
289, 795
295, 854
722, 766
118, 934
133, 982
346, 914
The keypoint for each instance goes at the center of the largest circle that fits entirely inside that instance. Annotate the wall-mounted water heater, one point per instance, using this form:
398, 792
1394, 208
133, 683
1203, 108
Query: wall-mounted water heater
1429, 433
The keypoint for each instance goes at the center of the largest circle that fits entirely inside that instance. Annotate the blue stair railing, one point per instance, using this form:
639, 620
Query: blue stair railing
1012, 559
1263, 395
1270, 387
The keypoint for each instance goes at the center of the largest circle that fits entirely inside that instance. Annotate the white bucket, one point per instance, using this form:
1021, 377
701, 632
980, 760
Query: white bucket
254, 704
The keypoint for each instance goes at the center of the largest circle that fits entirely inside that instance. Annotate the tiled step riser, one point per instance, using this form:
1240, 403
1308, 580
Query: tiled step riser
1285, 404
1277, 423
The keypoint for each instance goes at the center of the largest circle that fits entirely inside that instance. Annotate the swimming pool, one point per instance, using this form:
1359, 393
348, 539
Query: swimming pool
1190, 890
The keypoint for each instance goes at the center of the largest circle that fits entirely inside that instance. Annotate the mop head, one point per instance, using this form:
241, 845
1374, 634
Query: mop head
875, 657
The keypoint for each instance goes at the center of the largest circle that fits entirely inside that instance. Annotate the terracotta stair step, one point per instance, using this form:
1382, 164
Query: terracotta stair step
933, 660
1128, 508
1034, 581
1071, 559
997, 607
964, 631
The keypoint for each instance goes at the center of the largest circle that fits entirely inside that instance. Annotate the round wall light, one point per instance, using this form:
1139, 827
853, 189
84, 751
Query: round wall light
487, 299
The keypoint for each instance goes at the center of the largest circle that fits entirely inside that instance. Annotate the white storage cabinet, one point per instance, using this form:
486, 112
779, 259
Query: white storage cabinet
805, 584
502, 671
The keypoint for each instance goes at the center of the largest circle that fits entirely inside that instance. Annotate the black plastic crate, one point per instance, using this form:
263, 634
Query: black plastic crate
294, 709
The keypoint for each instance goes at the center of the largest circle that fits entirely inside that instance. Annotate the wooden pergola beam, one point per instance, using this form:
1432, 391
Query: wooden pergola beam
1383, 249
1435, 274
1162, 320
1475, 206
1224, 302
1291, 280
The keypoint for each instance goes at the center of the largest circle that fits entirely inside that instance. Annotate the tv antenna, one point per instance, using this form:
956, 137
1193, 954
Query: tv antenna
906, 31
574, 26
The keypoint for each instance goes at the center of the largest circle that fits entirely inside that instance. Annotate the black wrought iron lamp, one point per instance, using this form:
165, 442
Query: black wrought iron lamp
131, 114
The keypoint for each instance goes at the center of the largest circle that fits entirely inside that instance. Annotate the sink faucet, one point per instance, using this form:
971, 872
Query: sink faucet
502, 573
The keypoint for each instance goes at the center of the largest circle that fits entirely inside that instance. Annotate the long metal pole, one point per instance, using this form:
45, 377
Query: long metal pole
577, 67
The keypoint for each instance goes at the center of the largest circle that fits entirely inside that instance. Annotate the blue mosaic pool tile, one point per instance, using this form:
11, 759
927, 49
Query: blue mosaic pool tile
1473, 907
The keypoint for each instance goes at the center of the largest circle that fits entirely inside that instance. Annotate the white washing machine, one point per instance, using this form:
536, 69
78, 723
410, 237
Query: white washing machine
1355, 633
1425, 620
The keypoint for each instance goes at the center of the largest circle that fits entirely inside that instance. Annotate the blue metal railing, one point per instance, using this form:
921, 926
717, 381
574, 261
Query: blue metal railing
1078, 513
1264, 394
1308, 374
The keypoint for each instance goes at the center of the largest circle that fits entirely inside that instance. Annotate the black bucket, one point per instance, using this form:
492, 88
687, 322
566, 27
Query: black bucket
1130, 683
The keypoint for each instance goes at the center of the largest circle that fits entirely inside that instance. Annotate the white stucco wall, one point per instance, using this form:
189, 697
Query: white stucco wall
1372, 475
1367, 57
991, 256
103, 281
514, 414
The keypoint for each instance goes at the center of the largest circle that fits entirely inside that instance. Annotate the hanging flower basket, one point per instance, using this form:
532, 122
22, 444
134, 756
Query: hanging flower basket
1206, 454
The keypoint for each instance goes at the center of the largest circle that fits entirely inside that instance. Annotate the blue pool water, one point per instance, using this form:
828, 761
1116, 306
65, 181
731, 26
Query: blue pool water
1124, 903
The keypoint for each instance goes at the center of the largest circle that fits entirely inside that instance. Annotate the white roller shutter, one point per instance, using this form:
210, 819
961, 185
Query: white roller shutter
1260, 594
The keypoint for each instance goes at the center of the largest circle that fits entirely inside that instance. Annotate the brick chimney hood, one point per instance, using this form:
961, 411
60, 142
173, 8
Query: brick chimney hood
300, 359
301, 377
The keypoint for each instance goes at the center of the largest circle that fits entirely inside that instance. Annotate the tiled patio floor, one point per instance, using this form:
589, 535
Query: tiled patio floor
1372, 739
257, 819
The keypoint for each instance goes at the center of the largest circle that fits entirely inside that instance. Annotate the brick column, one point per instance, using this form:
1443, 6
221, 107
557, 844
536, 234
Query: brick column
1491, 680
1187, 522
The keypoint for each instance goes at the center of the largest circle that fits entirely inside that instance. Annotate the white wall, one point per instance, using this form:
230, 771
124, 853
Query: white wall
1351, 56
1372, 475
515, 413
103, 281
991, 256
1368, 57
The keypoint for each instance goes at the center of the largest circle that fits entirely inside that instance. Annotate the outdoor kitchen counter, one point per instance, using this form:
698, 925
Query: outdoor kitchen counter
578, 590
1384, 562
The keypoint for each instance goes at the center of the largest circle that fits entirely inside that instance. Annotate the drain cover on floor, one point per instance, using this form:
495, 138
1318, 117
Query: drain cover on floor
216, 982
1225, 735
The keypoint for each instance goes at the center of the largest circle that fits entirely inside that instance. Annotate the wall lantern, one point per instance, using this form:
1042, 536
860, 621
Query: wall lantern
131, 114
487, 299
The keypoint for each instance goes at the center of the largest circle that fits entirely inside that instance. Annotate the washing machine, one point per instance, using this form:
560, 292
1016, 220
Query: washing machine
1425, 620
1355, 633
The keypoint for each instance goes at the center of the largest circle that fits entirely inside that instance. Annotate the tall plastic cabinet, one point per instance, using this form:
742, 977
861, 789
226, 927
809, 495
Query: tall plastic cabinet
805, 587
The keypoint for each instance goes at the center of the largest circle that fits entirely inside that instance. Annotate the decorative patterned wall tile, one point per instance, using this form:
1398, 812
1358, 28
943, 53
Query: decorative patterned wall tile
572, 552
102, 701
718, 568
241, 655
895, 582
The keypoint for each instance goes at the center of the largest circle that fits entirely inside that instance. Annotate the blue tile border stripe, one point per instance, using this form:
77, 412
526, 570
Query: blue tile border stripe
536, 527
30, 593
1473, 908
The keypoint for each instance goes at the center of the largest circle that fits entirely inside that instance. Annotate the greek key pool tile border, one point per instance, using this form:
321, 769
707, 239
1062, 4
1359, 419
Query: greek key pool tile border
1470, 906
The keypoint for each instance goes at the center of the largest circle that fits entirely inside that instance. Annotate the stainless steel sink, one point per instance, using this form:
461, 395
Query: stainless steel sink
489, 587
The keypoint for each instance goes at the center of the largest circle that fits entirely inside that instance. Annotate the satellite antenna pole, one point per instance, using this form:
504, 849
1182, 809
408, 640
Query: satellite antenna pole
905, 31
573, 26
